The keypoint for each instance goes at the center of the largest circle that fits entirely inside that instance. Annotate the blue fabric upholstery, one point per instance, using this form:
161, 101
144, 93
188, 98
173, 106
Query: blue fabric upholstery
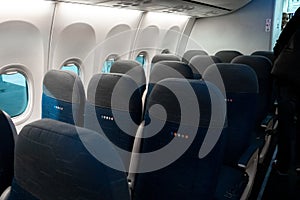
226, 56
7, 138
241, 88
101, 113
63, 97
52, 162
188, 177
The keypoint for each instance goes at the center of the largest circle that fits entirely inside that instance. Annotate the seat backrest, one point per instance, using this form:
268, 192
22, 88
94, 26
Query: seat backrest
7, 137
189, 54
267, 54
114, 108
227, 55
164, 57
262, 67
169, 69
133, 69
63, 97
200, 63
54, 160
241, 88
180, 170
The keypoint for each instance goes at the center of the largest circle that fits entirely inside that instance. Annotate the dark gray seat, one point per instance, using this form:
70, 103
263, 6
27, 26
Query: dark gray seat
226, 56
133, 69
262, 67
114, 108
56, 160
188, 55
185, 133
241, 153
7, 137
63, 97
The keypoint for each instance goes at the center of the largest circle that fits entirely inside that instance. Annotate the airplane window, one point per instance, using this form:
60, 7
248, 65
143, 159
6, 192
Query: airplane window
142, 58
108, 63
13, 93
71, 67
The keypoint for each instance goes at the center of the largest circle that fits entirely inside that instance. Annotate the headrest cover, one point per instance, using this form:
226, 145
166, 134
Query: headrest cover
132, 68
261, 65
227, 55
64, 86
102, 86
53, 163
171, 94
170, 69
188, 55
162, 57
237, 78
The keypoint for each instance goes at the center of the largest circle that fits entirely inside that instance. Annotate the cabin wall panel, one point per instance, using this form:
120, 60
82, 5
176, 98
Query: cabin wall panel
111, 31
161, 31
243, 30
24, 41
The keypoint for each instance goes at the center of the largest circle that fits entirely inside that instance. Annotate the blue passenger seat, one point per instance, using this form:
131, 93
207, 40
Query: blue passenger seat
8, 137
240, 85
189, 54
63, 97
56, 160
181, 159
133, 69
114, 108
226, 56
265, 116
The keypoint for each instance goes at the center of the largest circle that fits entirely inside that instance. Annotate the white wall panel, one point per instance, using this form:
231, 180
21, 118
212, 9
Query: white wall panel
243, 30
102, 23
24, 39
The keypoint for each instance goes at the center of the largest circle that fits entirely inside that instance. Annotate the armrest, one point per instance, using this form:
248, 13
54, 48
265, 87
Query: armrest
266, 122
248, 157
134, 161
5, 194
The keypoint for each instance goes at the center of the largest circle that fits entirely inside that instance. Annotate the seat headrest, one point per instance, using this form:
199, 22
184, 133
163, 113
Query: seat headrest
188, 55
103, 86
170, 69
261, 65
172, 93
162, 57
226, 56
236, 78
132, 68
52, 162
267, 54
63, 85
200, 63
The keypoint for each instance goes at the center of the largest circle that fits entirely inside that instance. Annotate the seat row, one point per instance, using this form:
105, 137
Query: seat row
210, 152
